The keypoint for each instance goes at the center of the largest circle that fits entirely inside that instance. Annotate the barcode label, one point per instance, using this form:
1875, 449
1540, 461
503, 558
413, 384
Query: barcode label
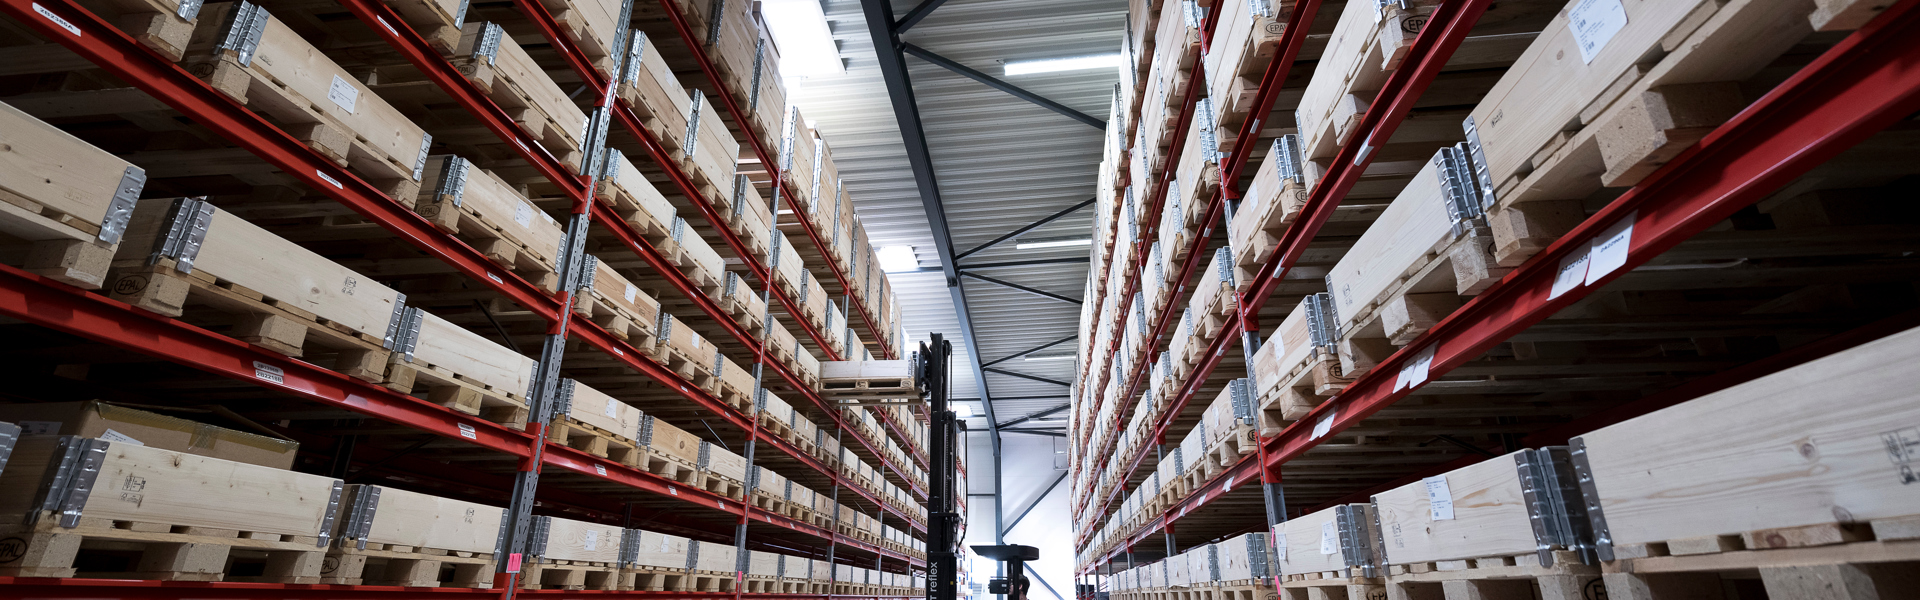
267, 372
466, 431
1594, 23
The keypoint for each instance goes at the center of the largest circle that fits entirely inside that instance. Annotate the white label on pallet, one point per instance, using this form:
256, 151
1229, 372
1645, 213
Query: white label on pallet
1594, 23
1329, 538
267, 372
329, 179
695, 336
600, 470
612, 408
1326, 424
664, 543
523, 214
593, 539
1439, 498
466, 431
56, 19
1609, 250
630, 292
1573, 271
673, 490
343, 94
120, 438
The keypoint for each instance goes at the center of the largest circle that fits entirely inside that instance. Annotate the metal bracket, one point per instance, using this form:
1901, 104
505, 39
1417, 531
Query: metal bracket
420, 162
489, 45
693, 554
1380, 7
9, 435
759, 66
1457, 189
1554, 504
1290, 161
1225, 256
1323, 323
113, 225
537, 536
629, 547
1209, 136
1590, 495
333, 513
246, 22
460, 15
594, 138
189, 9
453, 178
636, 51
396, 321
366, 503
563, 397
500, 541
589, 270
1354, 549
646, 430
66, 486
408, 337
693, 122
1482, 173
706, 455
1241, 393
1379, 535
187, 223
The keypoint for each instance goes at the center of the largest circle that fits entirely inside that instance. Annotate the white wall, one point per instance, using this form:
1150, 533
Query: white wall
1028, 463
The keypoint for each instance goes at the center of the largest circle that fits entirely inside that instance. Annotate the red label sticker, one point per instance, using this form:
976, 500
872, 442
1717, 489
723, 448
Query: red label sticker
513, 563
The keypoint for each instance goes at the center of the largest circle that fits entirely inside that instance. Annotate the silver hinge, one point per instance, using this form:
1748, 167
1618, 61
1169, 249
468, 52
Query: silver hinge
1259, 555
1260, 8
1241, 393
537, 536
636, 51
420, 162
1455, 171
366, 503
1289, 160
1323, 322
759, 68
1379, 534
489, 45
189, 9
706, 455
9, 435
333, 512
663, 325
1225, 256
1209, 134
500, 540
396, 320
1590, 496
646, 430
246, 22
1380, 7
740, 183
453, 178
693, 554
460, 14
714, 8
594, 138
753, 478
113, 225
1555, 507
589, 270
629, 547
610, 169
66, 486
563, 397
409, 335
759, 400
693, 123
1482, 173
187, 223
1352, 523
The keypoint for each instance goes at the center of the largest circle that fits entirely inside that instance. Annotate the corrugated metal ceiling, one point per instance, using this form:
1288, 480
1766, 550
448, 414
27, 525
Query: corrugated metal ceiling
1001, 163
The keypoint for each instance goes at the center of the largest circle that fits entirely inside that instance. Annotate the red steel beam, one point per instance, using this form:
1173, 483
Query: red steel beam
1860, 86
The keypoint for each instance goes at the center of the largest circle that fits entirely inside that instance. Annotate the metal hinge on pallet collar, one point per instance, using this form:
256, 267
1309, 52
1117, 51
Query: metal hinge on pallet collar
453, 178
1555, 506
1352, 521
187, 223
333, 512
366, 503
65, 487
1454, 168
245, 23
1590, 499
113, 225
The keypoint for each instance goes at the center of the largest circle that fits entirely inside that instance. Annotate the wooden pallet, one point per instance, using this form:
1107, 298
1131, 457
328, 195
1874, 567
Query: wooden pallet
711, 581
655, 579
517, 84
1823, 562
457, 392
573, 433
762, 584
249, 316
711, 165
722, 485
669, 467
406, 566
1330, 585
570, 575
639, 203
618, 306
312, 99
1414, 296
492, 216
744, 303
140, 550
1493, 578
54, 198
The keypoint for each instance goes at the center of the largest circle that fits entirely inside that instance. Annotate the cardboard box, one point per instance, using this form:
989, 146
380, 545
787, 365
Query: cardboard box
123, 425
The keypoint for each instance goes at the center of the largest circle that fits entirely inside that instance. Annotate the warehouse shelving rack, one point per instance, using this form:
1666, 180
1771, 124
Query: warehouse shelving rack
1852, 91
91, 316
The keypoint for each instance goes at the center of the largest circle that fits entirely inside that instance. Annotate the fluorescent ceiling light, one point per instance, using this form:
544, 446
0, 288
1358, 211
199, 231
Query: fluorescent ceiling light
894, 259
1054, 357
806, 43
1038, 244
963, 410
1053, 65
